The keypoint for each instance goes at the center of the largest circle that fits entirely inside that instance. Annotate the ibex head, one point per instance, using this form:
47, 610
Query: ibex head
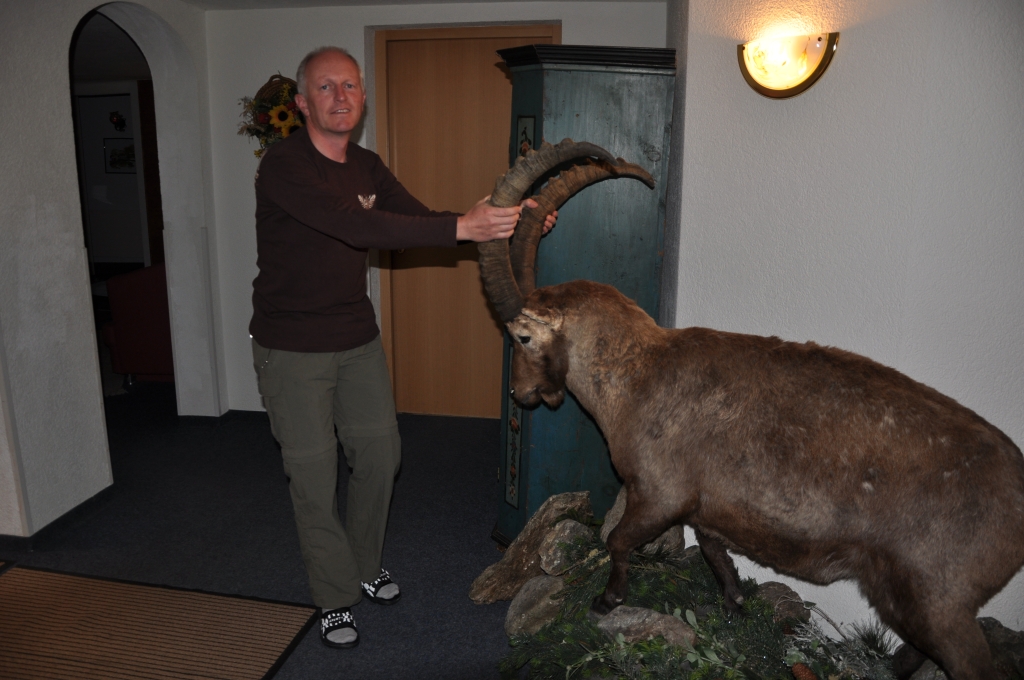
540, 356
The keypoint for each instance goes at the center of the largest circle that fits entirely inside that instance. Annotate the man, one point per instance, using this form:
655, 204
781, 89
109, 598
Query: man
322, 201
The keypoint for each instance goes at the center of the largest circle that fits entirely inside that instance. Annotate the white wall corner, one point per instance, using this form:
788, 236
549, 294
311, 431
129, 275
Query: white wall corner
14, 520
676, 26
177, 94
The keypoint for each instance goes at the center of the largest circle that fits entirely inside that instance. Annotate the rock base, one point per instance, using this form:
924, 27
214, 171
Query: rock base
534, 606
521, 562
637, 624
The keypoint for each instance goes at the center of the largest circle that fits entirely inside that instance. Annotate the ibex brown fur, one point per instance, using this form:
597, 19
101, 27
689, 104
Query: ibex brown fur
814, 461
817, 462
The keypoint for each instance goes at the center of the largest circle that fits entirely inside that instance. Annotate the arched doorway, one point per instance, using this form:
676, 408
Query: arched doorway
119, 189
185, 236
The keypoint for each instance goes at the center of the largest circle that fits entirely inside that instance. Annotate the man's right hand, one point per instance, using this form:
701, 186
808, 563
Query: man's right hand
484, 222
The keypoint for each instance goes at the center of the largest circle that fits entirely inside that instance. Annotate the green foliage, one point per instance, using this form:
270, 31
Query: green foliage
744, 646
711, 657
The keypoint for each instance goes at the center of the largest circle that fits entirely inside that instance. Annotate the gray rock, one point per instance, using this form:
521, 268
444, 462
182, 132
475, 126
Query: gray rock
521, 562
674, 539
691, 553
1007, 647
787, 603
637, 623
928, 671
553, 559
533, 606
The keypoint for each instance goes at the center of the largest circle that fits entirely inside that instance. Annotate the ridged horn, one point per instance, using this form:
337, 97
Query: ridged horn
495, 268
529, 167
523, 249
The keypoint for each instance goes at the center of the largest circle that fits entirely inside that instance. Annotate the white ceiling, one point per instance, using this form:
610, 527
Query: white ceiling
104, 52
272, 4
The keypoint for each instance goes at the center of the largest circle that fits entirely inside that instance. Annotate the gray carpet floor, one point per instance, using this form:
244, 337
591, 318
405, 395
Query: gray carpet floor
203, 504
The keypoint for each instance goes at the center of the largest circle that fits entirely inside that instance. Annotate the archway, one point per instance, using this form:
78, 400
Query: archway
119, 189
186, 244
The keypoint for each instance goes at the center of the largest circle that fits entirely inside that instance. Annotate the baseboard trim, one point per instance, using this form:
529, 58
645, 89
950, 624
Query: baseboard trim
500, 538
29, 543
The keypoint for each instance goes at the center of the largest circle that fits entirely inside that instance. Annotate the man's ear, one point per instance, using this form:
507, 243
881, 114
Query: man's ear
303, 105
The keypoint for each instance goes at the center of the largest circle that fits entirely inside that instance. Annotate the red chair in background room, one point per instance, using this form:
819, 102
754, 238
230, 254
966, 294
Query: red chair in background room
139, 336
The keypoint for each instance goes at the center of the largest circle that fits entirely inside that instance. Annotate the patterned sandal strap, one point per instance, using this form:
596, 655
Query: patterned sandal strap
379, 582
338, 618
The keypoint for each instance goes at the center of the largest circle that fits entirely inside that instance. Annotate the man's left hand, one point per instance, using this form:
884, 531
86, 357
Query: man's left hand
549, 221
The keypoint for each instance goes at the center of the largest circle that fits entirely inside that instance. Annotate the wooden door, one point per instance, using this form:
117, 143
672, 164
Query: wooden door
443, 114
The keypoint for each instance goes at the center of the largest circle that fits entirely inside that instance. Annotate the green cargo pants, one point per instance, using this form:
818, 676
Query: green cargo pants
309, 397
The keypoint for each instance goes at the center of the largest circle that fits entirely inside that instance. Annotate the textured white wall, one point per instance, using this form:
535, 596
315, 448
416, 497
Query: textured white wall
240, 62
882, 211
49, 345
12, 507
56, 439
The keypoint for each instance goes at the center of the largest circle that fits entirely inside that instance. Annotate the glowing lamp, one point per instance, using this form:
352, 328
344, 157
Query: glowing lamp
785, 67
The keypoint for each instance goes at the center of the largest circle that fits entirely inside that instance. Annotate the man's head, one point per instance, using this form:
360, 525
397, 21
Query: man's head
300, 75
331, 94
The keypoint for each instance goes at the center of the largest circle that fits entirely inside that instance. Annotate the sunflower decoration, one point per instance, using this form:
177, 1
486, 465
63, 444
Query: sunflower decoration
272, 114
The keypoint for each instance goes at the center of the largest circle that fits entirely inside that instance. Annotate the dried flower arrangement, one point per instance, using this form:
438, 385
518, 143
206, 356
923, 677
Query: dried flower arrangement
272, 114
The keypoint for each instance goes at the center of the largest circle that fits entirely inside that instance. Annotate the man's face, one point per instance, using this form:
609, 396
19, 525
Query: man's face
334, 99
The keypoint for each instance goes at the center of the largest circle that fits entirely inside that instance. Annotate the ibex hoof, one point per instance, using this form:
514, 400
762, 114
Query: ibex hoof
733, 602
601, 606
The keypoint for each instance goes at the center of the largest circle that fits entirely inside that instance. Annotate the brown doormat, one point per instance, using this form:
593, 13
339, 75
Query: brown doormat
55, 626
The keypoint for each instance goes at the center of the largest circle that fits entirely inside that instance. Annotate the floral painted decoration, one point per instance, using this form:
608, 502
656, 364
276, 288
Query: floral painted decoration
272, 114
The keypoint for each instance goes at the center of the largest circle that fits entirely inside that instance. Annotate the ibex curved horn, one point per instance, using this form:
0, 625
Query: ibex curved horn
495, 268
523, 248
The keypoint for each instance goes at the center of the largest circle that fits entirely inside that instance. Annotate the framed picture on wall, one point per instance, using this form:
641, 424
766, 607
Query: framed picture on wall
524, 135
119, 155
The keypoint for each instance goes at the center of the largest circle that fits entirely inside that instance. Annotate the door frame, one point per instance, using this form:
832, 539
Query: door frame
198, 369
377, 38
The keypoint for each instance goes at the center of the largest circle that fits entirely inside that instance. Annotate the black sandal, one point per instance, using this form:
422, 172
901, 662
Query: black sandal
371, 589
337, 619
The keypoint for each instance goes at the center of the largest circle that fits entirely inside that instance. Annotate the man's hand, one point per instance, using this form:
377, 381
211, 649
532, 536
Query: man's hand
484, 222
549, 221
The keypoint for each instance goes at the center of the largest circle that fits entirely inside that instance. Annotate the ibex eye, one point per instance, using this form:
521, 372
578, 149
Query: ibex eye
525, 339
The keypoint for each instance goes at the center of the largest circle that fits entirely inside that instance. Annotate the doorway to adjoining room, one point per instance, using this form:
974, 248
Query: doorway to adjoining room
119, 186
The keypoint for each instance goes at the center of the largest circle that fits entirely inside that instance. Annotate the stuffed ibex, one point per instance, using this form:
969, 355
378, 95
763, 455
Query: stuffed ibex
817, 462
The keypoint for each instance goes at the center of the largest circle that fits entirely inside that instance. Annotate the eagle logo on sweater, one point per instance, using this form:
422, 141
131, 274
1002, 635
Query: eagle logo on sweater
367, 201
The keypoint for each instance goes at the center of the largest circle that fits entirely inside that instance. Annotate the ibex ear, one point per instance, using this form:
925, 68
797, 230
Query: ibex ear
545, 316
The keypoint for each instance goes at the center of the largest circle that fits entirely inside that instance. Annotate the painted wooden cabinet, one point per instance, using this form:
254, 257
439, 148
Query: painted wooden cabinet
611, 232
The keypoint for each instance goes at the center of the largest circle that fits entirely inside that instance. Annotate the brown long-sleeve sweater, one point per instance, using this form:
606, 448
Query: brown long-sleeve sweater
315, 220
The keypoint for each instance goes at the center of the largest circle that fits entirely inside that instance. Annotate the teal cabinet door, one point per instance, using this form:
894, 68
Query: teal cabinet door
611, 232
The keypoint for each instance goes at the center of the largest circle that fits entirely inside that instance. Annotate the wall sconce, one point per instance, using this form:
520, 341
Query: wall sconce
785, 67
